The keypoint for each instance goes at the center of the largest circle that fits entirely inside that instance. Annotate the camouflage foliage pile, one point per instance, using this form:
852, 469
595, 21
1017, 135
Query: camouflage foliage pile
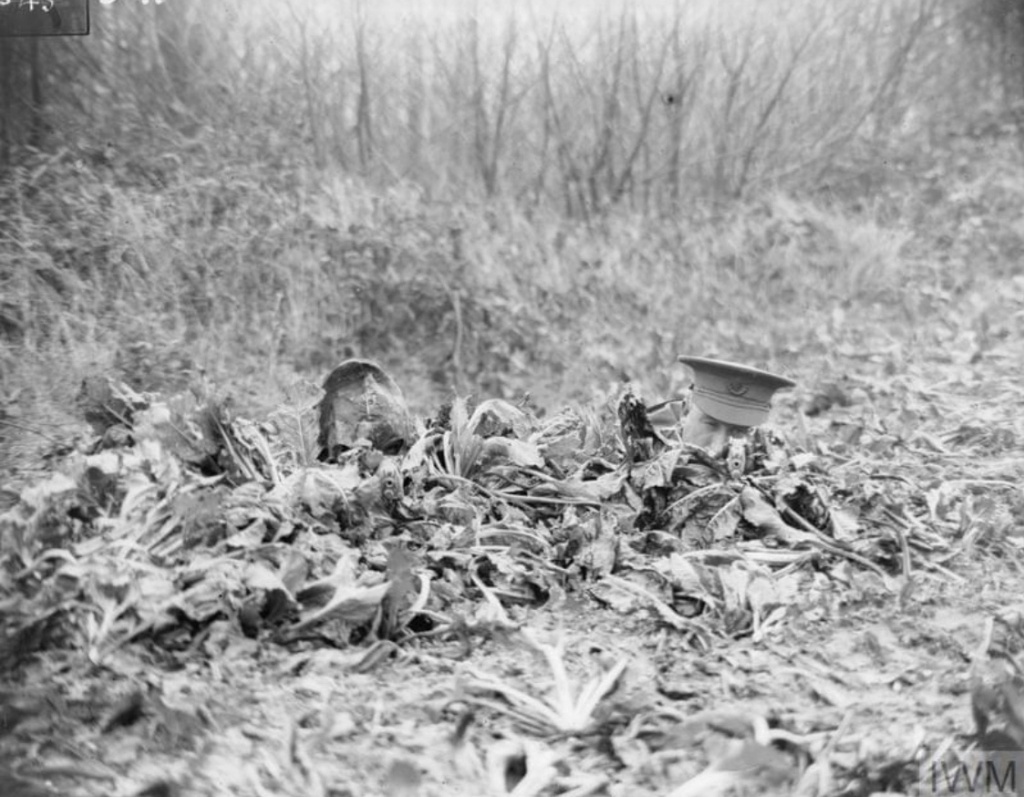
342, 520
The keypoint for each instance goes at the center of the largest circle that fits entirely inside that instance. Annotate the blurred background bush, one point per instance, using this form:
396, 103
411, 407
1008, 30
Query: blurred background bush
497, 201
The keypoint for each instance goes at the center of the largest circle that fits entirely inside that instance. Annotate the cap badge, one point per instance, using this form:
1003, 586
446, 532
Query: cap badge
738, 388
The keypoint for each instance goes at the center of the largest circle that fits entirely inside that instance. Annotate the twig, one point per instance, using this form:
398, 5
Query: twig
29, 429
830, 748
526, 500
985, 483
904, 550
927, 564
247, 470
828, 545
666, 612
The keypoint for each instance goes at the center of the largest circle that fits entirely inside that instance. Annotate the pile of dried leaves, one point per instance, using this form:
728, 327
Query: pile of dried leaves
182, 515
342, 521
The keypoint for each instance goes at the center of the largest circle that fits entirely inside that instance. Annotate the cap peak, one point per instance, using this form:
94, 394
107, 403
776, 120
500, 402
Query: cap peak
733, 393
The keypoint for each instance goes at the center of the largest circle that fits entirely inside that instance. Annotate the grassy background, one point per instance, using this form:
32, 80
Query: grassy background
499, 203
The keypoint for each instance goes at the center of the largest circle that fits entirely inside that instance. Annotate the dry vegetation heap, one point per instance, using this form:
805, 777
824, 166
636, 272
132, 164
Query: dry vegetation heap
243, 523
